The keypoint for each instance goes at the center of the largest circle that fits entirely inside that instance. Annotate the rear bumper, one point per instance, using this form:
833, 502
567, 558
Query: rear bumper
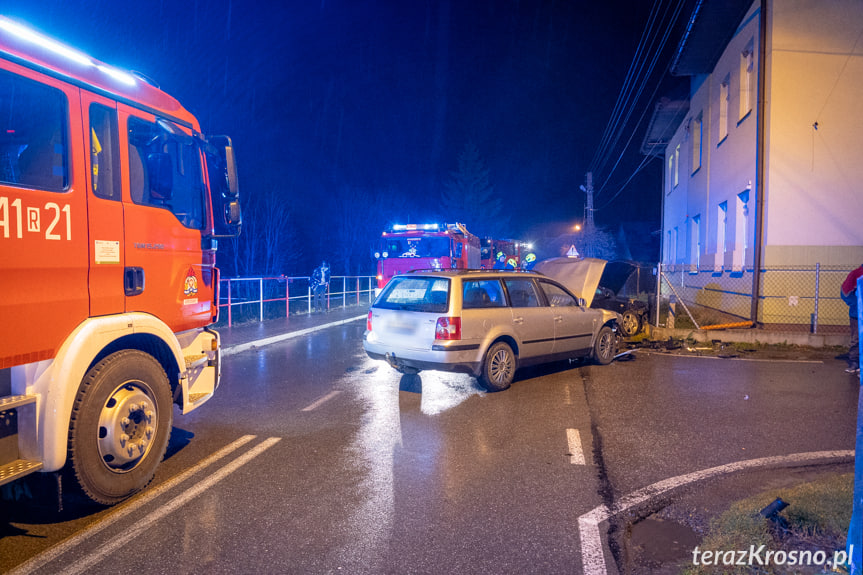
464, 359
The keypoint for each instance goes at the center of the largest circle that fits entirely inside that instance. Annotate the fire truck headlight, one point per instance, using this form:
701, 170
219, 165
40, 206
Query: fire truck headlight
436, 264
386, 254
377, 255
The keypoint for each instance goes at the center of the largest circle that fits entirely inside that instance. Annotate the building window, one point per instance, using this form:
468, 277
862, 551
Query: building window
747, 80
741, 225
696, 142
721, 228
674, 246
723, 109
695, 244
668, 248
676, 165
670, 179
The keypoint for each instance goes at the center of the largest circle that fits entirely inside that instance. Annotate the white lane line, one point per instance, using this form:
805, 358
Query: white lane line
145, 522
576, 454
282, 337
592, 553
737, 358
321, 401
123, 510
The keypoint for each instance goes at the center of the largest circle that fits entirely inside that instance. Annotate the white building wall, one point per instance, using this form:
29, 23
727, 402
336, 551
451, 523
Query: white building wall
815, 175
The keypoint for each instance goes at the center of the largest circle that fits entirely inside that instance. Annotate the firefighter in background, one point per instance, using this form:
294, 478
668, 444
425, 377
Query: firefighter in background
529, 261
320, 283
500, 261
511, 263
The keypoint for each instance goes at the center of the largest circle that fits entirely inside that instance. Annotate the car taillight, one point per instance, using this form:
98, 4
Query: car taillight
448, 328
369, 321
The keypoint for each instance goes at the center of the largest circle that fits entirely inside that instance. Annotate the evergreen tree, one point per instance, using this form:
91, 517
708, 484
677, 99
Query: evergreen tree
469, 197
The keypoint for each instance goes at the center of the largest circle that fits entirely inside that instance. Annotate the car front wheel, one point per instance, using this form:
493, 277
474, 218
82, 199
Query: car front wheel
631, 323
498, 369
605, 346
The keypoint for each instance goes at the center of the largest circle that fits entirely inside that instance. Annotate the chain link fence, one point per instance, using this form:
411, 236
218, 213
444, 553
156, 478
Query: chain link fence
791, 298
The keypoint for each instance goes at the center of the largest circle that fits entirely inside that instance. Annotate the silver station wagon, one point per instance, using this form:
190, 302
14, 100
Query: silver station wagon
487, 323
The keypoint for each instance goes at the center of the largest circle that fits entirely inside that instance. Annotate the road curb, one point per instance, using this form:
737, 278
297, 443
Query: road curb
285, 336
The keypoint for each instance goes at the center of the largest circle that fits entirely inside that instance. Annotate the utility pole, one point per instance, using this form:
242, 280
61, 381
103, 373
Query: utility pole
588, 228
588, 209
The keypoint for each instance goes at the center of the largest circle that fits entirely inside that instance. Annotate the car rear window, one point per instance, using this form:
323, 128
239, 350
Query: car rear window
415, 294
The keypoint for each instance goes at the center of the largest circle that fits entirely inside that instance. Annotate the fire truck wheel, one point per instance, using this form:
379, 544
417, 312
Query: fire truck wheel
120, 425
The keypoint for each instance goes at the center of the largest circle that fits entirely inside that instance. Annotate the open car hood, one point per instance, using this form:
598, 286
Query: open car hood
580, 276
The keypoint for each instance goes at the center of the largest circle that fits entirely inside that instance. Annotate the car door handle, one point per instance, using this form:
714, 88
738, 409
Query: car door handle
518, 320
558, 318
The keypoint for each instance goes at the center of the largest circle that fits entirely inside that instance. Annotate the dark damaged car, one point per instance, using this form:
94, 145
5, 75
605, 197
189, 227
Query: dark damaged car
614, 286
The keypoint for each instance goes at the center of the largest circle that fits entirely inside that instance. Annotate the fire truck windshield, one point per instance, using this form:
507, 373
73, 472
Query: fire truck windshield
416, 247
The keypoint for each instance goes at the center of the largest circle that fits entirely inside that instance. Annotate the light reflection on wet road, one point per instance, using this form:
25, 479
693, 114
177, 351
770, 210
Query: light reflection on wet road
379, 472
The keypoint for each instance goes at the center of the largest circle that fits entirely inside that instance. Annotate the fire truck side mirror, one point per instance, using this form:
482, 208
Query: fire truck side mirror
224, 187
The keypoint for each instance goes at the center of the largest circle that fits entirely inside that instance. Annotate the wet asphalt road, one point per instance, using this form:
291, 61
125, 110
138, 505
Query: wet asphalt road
353, 468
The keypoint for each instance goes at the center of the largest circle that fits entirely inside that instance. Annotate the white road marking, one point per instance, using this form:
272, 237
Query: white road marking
576, 454
145, 522
592, 553
322, 400
123, 510
282, 337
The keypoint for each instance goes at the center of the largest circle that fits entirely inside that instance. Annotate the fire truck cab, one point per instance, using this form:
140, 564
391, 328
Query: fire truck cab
111, 203
406, 247
511, 249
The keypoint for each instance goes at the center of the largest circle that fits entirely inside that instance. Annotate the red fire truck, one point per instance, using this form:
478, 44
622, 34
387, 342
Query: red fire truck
111, 201
406, 247
513, 250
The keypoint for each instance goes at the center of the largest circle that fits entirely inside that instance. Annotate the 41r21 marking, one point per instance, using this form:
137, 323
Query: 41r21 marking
14, 216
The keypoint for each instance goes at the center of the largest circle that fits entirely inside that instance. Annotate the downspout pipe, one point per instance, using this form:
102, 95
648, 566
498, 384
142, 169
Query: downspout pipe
760, 168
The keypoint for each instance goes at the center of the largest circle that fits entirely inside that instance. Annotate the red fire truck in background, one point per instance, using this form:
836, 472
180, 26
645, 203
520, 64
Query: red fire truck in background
513, 250
406, 247
111, 201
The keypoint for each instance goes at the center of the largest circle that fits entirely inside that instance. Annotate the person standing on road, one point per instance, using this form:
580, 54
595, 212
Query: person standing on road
320, 283
849, 296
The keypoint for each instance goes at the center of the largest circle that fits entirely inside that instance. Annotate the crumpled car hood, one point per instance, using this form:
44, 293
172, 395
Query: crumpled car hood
580, 276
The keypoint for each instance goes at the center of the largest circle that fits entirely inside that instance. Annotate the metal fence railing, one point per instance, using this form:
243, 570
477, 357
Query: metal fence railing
791, 298
260, 298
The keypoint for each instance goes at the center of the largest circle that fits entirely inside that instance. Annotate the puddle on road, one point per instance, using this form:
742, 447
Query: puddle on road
656, 543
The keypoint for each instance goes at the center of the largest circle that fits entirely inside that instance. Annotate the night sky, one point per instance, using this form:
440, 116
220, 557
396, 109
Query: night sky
342, 106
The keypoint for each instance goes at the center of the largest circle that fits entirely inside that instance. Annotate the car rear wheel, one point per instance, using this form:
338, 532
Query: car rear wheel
631, 323
498, 369
605, 346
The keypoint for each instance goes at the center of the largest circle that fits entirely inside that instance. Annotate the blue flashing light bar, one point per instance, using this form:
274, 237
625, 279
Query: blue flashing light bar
414, 227
69, 53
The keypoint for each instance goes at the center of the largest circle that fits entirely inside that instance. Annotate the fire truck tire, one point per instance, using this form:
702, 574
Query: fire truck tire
120, 425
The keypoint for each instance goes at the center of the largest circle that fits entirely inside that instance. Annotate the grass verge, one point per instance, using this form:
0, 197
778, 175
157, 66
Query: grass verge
816, 519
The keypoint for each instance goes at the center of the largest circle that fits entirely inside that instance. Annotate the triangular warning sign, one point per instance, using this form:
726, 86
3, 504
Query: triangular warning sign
572, 253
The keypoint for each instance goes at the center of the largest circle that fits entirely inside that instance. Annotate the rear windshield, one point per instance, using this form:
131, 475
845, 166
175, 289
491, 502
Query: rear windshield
415, 294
